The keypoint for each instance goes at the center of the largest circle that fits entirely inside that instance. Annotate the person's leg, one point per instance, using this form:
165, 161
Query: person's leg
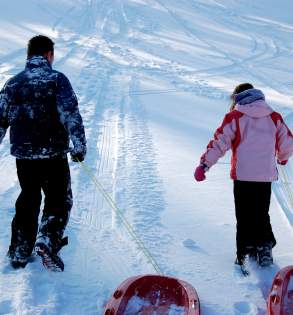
265, 238
25, 222
247, 226
56, 185
242, 218
265, 232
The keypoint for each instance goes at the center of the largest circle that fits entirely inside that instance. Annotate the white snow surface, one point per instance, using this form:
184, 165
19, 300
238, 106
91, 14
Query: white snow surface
153, 79
135, 305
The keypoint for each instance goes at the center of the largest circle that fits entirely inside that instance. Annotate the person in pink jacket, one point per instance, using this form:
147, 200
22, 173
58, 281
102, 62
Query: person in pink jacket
258, 138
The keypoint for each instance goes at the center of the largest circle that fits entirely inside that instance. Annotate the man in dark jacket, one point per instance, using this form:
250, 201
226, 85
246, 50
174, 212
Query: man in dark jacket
41, 109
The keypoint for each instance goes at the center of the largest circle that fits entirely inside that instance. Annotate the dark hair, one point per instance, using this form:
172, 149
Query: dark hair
39, 45
238, 89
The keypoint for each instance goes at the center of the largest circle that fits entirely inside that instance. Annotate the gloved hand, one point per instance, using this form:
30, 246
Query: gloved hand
282, 162
78, 155
199, 173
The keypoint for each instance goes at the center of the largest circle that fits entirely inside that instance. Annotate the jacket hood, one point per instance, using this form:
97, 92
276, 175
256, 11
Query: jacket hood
255, 109
252, 103
249, 96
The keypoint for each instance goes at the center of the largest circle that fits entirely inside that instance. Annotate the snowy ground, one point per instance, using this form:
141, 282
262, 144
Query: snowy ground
153, 79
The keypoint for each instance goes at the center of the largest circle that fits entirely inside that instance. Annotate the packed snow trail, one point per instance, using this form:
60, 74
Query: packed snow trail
153, 79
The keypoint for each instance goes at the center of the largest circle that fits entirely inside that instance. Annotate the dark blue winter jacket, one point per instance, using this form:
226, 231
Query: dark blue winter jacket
41, 109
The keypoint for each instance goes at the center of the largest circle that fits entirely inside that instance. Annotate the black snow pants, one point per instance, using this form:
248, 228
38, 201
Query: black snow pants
52, 176
253, 229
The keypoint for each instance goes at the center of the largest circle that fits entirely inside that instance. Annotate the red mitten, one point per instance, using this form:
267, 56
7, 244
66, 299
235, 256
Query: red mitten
282, 162
199, 173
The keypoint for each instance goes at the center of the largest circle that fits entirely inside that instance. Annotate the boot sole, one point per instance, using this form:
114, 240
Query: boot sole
50, 261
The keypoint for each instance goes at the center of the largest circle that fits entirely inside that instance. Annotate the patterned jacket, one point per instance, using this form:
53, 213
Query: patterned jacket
41, 109
257, 136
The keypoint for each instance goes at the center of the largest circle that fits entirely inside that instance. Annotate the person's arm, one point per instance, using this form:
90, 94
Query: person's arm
70, 117
284, 141
223, 139
221, 143
4, 106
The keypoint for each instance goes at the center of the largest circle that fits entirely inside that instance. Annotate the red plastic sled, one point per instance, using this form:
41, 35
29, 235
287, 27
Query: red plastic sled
280, 300
153, 294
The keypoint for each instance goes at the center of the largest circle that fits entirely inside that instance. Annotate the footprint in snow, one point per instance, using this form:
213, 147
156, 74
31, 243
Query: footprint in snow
191, 244
245, 308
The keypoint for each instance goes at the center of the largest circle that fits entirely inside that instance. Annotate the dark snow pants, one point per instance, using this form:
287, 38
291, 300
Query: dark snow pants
252, 203
52, 176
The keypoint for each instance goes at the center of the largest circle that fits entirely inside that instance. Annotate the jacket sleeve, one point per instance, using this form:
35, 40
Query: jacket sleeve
70, 117
4, 105
284, 144
223, 140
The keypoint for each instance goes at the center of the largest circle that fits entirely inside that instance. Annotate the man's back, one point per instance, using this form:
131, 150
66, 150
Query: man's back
34, 112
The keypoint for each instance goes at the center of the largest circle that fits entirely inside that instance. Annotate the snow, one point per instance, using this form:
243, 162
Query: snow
153, 79
136, 304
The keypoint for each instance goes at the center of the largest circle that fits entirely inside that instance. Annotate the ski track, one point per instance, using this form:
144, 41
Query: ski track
243, 64
141, 193
121, 153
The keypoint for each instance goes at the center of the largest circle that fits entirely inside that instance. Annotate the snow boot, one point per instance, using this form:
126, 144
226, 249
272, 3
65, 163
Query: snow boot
16, 261
18, 255
241, 258
50, 259
252, 253
264, 255
241, 261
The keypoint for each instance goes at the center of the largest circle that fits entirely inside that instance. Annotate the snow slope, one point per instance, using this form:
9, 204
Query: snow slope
153, 79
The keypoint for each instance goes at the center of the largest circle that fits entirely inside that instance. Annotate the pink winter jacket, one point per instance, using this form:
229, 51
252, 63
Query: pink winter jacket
257, 136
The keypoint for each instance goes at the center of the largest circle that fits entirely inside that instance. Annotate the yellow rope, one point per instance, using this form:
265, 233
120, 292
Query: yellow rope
128, 226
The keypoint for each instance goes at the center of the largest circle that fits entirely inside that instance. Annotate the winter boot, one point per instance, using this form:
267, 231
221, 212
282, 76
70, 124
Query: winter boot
240, 259
252, 253
264, 255
50, 259
18, 257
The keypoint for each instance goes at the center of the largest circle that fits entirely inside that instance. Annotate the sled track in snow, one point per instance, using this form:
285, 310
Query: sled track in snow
264, 44
164, 68
244, 63
139, 190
